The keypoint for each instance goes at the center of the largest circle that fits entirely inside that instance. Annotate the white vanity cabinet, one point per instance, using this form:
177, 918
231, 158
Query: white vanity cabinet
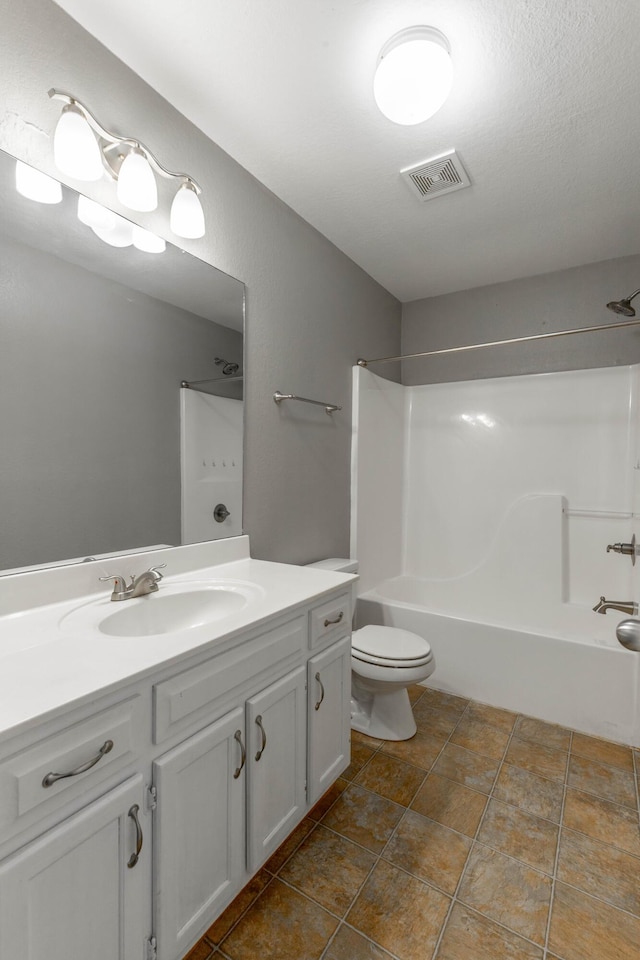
71, 893
173, 789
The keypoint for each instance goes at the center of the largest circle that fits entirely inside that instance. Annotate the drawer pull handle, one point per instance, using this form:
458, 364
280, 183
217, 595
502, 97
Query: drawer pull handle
243, 754
329, 623
264, 737
133, 859
51, 778
321, 691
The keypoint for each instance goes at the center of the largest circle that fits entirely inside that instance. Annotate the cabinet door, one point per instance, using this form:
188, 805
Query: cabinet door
199, 832
329, 712
70, 894
276, 722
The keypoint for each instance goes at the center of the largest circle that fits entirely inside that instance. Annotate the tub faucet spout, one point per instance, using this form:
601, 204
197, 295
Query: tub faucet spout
623, 606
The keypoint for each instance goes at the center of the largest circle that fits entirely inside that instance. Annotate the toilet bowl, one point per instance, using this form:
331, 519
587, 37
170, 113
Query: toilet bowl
384, 662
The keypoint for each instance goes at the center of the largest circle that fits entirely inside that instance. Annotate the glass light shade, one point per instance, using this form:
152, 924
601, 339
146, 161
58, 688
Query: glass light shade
75, 148
148, 242
137, 188
187, 216
120, 235
414, 75
93, 214
34, 185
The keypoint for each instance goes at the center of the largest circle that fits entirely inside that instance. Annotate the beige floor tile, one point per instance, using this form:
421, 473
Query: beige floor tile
496, 717
429, 851
480, 737
583, 928
391, 778
602, 820
349, 945
201, 951
450, 803
373, 742
610, 783
467, 768
421, 750
469, 936
281, 923
285, 849
435, 721
415, 691
518, 834
537, 758
218, 930
600, 870
328, 868
534, 794
549, 734
614, 754
364, 817
328, 799
360, 754
507, 891
447, 701
406, 923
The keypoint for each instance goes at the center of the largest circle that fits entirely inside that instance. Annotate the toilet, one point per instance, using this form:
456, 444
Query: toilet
384, 662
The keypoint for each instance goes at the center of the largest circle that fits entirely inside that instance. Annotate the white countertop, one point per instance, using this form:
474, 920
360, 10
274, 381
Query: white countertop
44, 669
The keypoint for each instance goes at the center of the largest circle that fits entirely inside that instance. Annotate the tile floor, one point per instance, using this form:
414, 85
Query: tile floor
488, 836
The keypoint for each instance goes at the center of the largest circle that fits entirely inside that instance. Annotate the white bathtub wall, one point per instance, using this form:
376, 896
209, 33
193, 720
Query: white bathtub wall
211, 465
377, 476
478, 448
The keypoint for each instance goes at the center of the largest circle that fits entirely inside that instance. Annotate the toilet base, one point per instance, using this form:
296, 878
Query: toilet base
385, 716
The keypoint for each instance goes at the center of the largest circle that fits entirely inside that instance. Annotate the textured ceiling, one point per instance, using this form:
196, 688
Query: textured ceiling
544, 113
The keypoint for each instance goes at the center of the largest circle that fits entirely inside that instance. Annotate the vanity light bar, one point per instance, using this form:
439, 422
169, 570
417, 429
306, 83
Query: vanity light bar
77, 132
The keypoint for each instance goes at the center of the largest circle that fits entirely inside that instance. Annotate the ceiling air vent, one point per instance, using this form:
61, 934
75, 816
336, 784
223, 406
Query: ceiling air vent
437, 176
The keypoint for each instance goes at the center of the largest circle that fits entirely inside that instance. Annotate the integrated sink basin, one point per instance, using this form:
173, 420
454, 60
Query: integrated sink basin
176, 607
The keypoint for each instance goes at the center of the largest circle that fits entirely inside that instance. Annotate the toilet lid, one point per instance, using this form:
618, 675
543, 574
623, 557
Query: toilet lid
390, 646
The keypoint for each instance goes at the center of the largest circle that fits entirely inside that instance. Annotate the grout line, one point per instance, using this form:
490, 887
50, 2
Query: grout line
557, 856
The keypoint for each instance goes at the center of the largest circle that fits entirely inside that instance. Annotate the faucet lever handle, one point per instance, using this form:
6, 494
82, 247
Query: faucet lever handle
156, 570
120, 589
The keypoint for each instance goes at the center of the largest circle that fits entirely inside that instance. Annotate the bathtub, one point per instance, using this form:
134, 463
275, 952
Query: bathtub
559, 662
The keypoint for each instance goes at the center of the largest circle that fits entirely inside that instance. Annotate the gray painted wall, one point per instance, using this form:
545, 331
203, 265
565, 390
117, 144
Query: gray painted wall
89, 409
553, 301
310, 311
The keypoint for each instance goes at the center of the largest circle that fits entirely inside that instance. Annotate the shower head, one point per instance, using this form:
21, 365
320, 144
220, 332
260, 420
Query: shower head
228, 369
623, 307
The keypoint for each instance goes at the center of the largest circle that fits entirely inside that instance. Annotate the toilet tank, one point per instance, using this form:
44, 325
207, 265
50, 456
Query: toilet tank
340, 565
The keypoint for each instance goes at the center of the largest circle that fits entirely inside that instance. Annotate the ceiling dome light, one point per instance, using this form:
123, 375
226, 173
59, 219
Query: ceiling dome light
137, 188
187, 216
93, 214
75, 148
413, 76
34, 185
120, 235
147, 242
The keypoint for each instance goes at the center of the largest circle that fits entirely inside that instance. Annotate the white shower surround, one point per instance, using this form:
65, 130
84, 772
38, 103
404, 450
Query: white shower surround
481, 515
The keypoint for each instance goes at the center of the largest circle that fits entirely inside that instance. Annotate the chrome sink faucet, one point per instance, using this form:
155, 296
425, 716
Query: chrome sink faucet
623, 606
142, 585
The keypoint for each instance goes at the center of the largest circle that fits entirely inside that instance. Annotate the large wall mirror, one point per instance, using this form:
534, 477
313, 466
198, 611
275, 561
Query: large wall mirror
101, 448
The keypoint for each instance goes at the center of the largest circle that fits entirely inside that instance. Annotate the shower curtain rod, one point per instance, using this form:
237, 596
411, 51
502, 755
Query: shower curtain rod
189, 384
501, 343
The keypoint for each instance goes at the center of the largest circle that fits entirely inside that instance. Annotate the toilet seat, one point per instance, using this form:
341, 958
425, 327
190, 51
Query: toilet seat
390, 647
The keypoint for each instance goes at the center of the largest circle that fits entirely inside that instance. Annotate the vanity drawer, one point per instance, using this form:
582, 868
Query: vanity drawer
191, 699
330, 620
58, 768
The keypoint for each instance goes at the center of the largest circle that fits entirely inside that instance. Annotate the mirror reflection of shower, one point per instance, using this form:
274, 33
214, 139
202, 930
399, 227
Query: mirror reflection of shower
622, 307
229, 369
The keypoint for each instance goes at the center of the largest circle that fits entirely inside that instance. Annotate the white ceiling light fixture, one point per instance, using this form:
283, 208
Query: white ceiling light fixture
147, 242
119, 235
35, 185
84, 149
93, 214
414, 75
